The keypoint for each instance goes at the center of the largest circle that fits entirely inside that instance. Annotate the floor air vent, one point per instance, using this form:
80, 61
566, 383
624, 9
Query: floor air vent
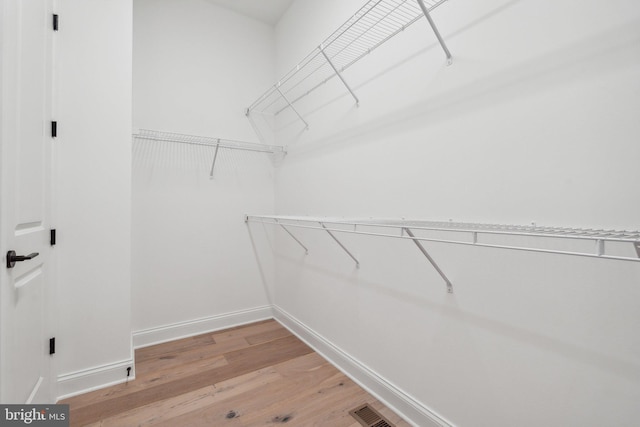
369, 417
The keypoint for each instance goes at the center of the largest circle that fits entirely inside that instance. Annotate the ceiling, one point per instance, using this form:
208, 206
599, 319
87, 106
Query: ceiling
267, 11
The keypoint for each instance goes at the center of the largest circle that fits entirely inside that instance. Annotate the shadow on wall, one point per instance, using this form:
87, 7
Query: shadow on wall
268, 289
449, 309
607, 52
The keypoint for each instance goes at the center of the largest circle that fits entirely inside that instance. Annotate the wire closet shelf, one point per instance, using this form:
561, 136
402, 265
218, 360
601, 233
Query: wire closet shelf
217, 143
370, 27
473, 232
589, 242
154, 135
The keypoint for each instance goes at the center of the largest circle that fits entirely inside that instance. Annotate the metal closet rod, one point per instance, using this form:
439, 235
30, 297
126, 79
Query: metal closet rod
153, 135
599, 237
371, 26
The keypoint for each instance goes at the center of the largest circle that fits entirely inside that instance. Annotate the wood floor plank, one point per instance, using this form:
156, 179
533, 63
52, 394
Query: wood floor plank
246, 385
297, 368
233, 338
205, 345
249, 330
151, 352
171, 373
268, 353
261, 405
299, 408
174, 361
262, 337
240, 362
145, 381
251, 375
325, 402
167, 409
172, 349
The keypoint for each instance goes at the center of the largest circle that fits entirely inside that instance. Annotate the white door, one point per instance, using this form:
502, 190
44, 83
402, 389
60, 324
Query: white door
26, 290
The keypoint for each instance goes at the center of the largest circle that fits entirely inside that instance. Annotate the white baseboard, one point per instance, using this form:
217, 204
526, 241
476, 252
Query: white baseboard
404, 405
152, 336
87, 380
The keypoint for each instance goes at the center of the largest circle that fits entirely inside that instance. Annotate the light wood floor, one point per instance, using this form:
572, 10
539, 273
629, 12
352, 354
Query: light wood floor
253, 375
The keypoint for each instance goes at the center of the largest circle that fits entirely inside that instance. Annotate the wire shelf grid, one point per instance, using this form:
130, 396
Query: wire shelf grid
472, 231
153, 135
370, 27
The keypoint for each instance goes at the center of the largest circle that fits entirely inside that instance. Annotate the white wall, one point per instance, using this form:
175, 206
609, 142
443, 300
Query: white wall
93, 202
536, 120
196, 68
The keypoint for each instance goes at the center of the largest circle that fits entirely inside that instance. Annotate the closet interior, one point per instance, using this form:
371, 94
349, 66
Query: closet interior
438, 197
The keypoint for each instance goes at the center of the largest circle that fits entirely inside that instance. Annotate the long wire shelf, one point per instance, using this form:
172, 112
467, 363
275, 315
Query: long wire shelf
154, 135
217, 143
595, 243
370, 27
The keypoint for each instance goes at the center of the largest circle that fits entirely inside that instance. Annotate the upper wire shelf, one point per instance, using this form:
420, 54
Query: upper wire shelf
375, 23
217, 143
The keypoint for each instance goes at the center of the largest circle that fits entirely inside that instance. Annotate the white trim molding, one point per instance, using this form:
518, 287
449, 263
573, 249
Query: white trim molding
403, 404
84, 381
161, 334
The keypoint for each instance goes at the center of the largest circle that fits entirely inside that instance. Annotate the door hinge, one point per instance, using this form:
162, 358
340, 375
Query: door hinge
54, 129
52, 345
52, 239
55, 22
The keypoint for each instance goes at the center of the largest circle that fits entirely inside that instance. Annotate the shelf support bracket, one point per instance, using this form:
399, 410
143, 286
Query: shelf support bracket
306, 125
426, 254
435, 30
341, 245
637, 246
339, 74
306, 251
215, 156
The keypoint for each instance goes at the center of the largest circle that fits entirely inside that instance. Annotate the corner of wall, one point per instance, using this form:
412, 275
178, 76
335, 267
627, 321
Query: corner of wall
158, 335
93, 379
